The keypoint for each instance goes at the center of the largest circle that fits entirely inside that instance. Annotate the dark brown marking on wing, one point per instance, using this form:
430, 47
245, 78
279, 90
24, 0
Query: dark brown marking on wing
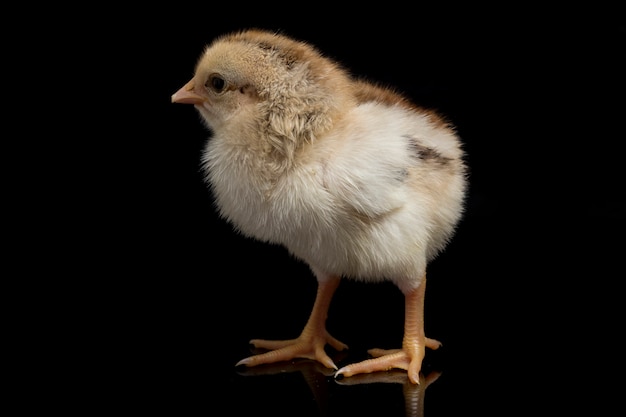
426, 153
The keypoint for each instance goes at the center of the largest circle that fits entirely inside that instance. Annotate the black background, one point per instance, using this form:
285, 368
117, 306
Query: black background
526, 299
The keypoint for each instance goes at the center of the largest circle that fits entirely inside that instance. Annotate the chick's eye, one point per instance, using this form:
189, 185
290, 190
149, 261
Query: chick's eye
215, 83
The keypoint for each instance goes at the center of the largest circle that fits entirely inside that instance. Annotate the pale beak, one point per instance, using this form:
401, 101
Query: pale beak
187, 95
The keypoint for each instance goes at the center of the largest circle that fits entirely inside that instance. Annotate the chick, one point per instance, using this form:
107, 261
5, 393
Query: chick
349, 176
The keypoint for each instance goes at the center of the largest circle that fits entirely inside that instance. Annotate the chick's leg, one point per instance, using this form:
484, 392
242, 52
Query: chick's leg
410, 356
310, 344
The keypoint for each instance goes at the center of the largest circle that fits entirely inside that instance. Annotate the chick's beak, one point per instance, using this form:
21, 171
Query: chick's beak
187, 95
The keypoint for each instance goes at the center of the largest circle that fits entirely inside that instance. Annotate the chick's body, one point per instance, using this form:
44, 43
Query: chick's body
350, 177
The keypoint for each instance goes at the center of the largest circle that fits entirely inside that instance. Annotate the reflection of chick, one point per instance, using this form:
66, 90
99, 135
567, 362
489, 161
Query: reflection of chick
413, 394
350, 177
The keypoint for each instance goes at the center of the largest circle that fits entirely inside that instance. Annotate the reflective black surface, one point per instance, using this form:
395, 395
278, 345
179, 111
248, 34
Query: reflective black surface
525, 299
523, 329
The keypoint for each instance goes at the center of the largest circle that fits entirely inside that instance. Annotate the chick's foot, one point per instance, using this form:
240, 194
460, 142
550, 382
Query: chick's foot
414, 343
308, 346
408, 358
311, 342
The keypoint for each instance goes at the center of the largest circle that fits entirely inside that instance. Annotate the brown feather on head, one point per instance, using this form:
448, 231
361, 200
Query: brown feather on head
299, 90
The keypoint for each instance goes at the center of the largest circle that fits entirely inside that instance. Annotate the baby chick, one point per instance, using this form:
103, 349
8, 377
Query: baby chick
351, 177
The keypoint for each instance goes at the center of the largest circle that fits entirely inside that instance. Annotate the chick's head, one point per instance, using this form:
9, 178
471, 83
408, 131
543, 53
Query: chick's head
281, 88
